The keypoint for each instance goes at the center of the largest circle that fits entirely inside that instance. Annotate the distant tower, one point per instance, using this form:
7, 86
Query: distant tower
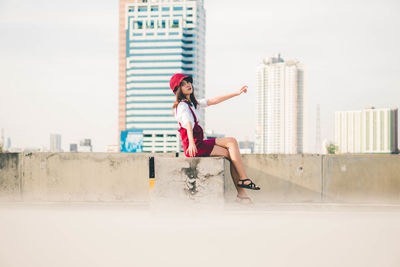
318, 131
55, 143
279, 106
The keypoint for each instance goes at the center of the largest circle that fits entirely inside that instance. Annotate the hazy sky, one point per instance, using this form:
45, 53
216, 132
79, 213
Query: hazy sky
59, 63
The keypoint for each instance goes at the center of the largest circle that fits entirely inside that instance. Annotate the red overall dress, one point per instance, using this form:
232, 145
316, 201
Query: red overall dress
204, 147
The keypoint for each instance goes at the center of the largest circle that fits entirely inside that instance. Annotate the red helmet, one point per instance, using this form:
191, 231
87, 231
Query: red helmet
176, 81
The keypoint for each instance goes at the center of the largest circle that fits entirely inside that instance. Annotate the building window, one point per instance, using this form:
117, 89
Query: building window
175, 23
165, 9
189, 8
139, 25
159, 135
163, 25
142, 8
154, 8
178, 8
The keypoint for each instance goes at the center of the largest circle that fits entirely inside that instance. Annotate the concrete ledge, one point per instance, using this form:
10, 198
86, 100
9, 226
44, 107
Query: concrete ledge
189, 180
359, 178
285, 178
10, 186
125, 177
85, 177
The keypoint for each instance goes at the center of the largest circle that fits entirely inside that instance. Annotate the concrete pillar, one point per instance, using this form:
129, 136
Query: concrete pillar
181, 181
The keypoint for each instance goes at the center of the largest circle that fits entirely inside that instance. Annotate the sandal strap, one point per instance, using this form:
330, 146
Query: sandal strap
243, 180
251, 185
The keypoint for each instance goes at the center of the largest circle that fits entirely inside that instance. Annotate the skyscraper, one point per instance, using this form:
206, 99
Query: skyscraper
367, 131
158, 38
279, 106
55, 143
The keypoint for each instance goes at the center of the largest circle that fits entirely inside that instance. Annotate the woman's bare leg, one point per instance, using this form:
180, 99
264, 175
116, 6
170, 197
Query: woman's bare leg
232, 145
235, 178
221, 151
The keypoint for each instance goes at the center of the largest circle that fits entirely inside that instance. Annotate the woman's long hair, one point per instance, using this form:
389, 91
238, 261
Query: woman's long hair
181, 97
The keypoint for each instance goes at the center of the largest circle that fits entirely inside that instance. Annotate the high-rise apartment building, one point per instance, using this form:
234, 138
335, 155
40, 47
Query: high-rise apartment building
280, 107
55, 143
367, 131
158, 38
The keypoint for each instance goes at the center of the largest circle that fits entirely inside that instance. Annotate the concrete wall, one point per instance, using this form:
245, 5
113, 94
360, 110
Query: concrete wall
362, 178
285, 178
75, 176
352, 178
125, 177
85, 177
9, 177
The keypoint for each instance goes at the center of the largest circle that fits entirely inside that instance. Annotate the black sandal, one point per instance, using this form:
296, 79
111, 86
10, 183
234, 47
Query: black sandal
251, 185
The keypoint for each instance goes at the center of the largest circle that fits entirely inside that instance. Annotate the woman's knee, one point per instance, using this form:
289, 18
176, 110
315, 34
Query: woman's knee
233, 141
227, 142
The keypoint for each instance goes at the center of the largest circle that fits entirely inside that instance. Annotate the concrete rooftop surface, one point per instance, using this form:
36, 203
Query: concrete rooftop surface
125, 234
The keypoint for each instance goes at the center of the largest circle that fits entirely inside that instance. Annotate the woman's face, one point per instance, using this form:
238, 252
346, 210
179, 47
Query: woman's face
187, 88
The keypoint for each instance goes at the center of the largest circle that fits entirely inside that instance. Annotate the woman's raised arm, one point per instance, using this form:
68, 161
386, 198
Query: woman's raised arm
219, 99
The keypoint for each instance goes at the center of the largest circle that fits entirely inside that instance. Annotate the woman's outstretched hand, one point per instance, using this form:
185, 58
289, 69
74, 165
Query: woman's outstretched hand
192, 149
243, 89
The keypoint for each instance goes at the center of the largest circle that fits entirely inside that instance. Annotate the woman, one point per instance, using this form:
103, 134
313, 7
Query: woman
186, 113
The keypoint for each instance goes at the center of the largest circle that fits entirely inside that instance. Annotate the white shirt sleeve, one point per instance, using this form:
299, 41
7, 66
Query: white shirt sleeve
203, 103
184, 115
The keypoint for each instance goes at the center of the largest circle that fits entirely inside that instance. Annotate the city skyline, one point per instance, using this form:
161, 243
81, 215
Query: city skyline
66, 80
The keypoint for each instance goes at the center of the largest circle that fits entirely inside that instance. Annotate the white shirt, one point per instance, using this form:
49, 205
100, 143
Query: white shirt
184, 115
